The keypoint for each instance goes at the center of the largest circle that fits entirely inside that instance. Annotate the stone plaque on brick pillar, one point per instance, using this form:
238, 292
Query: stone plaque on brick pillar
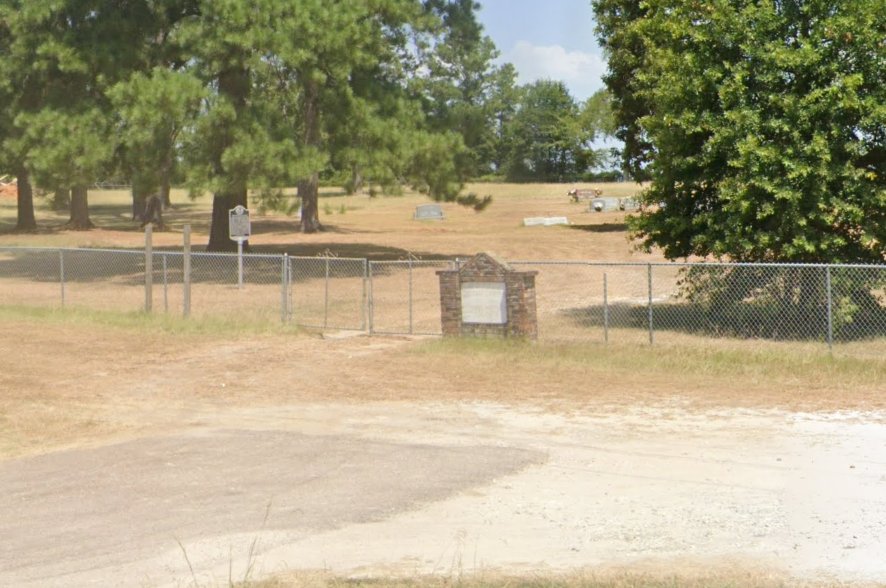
486, 297
484, 303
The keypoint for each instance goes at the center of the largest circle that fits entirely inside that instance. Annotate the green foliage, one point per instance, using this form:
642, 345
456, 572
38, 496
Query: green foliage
625, 45
66, 148
783, 302
235, 96
152, 111
597, 115
548, 140
460, 87
762, 125
434, 167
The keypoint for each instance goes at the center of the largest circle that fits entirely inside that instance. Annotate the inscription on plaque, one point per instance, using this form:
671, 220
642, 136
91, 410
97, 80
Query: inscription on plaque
238, 223
484, 303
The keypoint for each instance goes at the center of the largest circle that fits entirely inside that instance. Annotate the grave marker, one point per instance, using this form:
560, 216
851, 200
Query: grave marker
604, 204
428, 212
545, 221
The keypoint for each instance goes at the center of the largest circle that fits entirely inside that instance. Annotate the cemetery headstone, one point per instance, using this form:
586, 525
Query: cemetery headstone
604, 204
428, 212
545, 221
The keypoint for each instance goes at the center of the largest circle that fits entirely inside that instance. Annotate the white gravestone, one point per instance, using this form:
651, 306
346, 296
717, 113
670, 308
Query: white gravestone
484, 303
604, 204
545, 221
428, 212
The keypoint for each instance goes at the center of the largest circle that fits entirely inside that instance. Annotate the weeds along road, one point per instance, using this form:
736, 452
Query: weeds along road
404, 488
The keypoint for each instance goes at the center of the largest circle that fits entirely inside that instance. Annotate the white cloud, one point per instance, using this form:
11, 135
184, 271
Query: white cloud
579, 70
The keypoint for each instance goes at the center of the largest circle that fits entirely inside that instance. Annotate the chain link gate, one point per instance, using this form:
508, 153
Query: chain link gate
404, 296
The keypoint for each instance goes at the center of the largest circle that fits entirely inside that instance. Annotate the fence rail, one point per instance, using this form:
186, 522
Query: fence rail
642, 303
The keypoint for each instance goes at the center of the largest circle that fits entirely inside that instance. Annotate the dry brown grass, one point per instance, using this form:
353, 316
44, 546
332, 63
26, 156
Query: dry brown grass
691, 576
377, 228
74, 378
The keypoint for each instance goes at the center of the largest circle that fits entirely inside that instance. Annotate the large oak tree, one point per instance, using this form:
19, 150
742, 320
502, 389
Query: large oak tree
761, 124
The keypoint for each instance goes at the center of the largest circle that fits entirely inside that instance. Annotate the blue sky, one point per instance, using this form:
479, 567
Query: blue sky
547, 39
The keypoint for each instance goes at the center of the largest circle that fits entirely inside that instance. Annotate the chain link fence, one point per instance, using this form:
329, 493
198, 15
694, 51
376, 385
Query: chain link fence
632, 303
670, 302
329, 292
405, 297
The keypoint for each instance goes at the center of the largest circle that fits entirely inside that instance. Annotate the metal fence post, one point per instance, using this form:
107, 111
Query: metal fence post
649, 280
370, 305
289, 273
410, 294
284, 271
165, 287
239, 264
186, 272
326, 296
149, 268
61, 273
605, 308
827, 277
364, 299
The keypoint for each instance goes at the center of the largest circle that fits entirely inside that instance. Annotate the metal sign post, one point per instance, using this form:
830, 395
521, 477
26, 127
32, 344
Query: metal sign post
239, 230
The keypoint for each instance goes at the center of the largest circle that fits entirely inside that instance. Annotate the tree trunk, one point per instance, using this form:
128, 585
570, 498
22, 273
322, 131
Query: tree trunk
139, 196
308, 188
166, 181
26, 220
165, 190
356, 184
222, 203
79, 210
234, 85
61, 200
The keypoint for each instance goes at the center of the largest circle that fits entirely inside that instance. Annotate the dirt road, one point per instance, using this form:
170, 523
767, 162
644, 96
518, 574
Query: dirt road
408, 487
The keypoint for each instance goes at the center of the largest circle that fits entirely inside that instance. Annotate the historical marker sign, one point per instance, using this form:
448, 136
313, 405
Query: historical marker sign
239, 227
239, 230
484, 303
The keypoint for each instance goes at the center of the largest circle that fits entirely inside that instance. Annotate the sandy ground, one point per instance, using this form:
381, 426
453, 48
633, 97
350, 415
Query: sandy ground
409, 487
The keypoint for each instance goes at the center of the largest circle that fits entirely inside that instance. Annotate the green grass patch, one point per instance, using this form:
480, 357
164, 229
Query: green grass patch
159, 323
719, 359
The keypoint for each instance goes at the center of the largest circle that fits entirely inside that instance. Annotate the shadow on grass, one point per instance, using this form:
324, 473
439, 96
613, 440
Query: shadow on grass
370, 251
262, 266
114, 217
741, 321
602, 228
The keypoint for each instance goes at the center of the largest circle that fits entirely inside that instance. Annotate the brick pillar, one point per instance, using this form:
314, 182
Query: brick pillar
450, 303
